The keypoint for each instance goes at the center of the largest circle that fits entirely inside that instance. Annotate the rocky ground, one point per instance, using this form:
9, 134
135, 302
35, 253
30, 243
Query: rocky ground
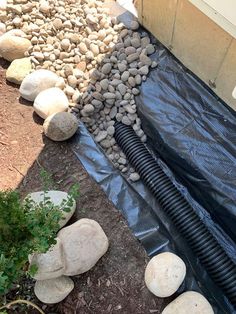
116, 283
99, 60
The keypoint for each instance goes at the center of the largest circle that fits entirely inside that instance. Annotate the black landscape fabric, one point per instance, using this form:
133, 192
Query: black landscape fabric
193, 135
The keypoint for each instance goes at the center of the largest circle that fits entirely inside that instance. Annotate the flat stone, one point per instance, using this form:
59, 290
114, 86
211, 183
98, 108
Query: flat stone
18, 70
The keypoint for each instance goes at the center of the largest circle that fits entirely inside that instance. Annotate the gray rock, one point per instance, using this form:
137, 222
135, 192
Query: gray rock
129, 109
135, 42
122, 161
122, 89
145, 59
111, 130
122, 67
113, 112
132, 57
150, 49
105, 143
130, 50
119, 117
144, 70
88, 109
126, 120
101, 136
135, 91
60, 126
125, 76
106, 69
134, 176
104, 84
109, 95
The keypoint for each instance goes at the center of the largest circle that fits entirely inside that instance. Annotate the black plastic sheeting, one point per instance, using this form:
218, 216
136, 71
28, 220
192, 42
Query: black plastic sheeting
195, 133
192, 131
147, 221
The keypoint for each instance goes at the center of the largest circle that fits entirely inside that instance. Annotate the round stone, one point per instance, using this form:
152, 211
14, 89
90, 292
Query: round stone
84, 243
164, 274
60, 126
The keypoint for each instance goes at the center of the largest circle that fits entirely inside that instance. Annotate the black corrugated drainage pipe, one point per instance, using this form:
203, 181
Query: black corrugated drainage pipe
218, 264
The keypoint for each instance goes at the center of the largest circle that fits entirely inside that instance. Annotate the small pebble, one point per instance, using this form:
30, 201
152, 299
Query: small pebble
134, 176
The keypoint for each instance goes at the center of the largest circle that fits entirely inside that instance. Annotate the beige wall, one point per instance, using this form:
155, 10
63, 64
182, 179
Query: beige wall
200, 43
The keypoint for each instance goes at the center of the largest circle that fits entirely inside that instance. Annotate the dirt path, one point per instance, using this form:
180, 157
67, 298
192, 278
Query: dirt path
115, 284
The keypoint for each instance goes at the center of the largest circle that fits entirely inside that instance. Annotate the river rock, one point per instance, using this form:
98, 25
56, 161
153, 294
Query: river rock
50, 264
53, 290
189, 302
37, 82
84, 243
134, 177
50, 101
60, 126
18, 70
106, 69
13, 47
164, 274
56, 197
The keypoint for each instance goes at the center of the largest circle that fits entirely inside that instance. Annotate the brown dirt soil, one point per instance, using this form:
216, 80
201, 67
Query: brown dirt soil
116, 283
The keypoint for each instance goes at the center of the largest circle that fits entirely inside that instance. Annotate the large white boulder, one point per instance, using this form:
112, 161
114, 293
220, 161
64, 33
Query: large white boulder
18, 70
49, 265
60, 126
84, 243
50, 101
53, 290
56, 197
37, 82
164, 274
13, 46
189, 302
